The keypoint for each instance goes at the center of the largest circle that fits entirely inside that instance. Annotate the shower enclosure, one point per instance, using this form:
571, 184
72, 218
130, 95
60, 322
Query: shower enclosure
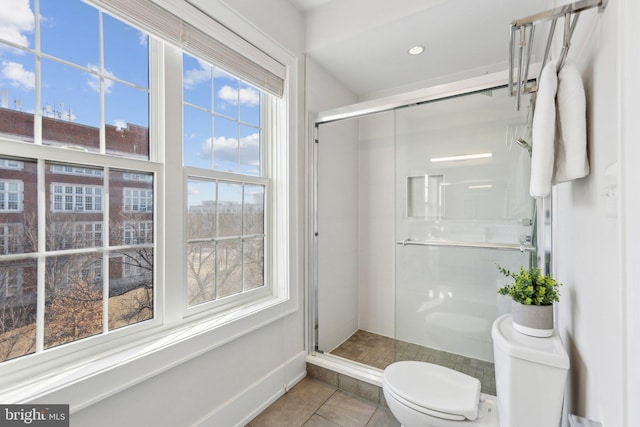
416, 200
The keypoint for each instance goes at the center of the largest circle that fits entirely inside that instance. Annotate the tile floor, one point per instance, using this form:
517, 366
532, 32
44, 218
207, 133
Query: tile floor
328, 399
379, 351
313, 403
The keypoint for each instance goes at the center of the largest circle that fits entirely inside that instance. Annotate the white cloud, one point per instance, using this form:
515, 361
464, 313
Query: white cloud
143, 39
19, 77
94, 80
16, 20
195, 76
193, 190
248, 96
226, 149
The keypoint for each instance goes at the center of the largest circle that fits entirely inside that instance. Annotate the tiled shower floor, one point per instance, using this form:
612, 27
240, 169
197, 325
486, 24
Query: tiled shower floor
379, 352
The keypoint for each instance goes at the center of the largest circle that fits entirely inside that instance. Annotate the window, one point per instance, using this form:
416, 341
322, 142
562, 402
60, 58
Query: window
11, 238
89, 74
226, 217
71, 198
10, 283
134, 233
10, 164
138, 200
10, 196
71, 170
105, 188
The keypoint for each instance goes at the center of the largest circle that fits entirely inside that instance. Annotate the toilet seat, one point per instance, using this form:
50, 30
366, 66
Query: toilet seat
432, 389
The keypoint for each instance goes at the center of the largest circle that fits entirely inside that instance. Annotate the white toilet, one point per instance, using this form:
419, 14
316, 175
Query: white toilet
528, 371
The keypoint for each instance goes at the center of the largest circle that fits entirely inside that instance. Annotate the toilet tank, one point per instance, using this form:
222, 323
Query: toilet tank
531, 374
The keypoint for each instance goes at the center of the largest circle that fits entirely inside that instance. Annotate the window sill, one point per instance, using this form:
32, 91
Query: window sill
98, 376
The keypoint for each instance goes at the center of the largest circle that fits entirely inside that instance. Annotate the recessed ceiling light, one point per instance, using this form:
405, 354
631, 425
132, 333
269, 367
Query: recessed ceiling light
416, 50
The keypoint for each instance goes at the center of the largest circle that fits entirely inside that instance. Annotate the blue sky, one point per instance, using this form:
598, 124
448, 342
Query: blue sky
69, 29
69, 32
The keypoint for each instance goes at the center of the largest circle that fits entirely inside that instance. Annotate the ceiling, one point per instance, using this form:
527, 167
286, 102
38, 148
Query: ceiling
364, 43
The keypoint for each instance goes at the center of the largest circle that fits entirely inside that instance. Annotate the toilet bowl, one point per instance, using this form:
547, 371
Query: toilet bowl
527, 369
427, 395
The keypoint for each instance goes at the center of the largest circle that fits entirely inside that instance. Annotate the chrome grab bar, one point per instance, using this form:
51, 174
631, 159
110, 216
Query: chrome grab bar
478, 245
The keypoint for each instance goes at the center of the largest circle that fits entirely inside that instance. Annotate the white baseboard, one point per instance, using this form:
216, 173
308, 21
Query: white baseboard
246, 405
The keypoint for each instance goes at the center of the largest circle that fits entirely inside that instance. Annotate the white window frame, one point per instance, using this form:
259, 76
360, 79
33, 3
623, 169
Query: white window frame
11, 281
140, 197
74, 194
177, 334
142, 229
11, 164
74, 170
9, 230
6, 192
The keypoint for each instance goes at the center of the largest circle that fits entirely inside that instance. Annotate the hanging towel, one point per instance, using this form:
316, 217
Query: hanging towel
571, 127
543, 133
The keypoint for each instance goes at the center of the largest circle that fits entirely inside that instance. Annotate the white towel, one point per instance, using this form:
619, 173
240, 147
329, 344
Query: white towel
543, 132
571, 127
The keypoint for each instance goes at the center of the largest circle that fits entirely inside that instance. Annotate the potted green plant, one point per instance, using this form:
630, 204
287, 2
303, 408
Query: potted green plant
533, 295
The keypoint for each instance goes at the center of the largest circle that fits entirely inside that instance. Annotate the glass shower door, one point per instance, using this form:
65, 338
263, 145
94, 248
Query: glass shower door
462, 206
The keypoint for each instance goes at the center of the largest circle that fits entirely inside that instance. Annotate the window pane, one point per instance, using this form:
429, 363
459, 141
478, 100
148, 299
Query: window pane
229, 271
253, 263
18, 292
226, 94
18, 206
69, 30
229, 209
249, 150
70, 106
253, 209
131, 212
197, 150
201, 272
201, 205
18, 27
130, 287
197, 82
126, 112
74, 298
17, 97
249, 101
126, 52
225, 145
75, 198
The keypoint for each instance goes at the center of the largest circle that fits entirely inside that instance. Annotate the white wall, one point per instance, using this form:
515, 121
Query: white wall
337, 211
591, 244
376, 307
229, 385
630, 206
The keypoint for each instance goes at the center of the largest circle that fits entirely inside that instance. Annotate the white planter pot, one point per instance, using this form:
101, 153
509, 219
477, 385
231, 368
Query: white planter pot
533, 320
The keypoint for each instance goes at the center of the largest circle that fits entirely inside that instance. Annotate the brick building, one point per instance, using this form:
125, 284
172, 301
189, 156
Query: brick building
76, 203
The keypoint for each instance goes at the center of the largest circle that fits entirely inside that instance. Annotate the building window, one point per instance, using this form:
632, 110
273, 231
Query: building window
137, 177
76, 198
138, 200
11, 283
10, 196
135, 233
10, 164
71, 170
11, 236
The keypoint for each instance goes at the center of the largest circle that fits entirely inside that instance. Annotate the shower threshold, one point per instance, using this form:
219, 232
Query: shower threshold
378, 352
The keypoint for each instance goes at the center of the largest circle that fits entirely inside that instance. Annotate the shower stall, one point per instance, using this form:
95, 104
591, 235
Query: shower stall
415, 201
